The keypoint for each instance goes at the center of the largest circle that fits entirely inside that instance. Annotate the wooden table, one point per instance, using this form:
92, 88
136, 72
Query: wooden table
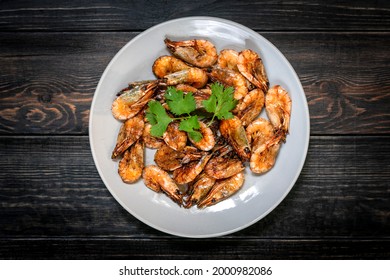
53, 202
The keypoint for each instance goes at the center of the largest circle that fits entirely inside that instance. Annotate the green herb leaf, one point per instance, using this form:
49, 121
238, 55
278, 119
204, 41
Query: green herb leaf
158, 118
188, 125
221, 102
178, 102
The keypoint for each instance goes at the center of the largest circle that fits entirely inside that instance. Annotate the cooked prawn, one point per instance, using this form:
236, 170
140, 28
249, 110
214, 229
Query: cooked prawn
193, 76
200, 53
251, 67
198, 189
233, 131
167, 64
131, 165
170, 159
223, 167
208, 140
265, 145
175, 138
131, 100
189, 171
223, 189
250, 106
230, 78
130, 131
228, 58
150, 141
278, 108
159, 180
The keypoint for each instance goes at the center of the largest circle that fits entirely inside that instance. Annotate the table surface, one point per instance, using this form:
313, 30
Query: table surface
53, 202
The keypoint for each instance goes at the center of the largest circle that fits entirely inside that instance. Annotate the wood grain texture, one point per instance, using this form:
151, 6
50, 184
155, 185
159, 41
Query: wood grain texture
51, 189
178, 248
345, 76
139, 15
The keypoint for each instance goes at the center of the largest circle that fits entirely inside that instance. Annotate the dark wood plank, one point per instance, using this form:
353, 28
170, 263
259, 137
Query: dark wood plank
50, 188
345, 76
256, 249
139, 15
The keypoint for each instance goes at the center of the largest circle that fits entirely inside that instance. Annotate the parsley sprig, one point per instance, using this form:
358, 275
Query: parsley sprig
220, 103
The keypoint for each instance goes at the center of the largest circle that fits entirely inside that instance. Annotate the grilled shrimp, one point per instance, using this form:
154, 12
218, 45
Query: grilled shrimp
250, 106
223, 189
130, 131
278, 108
167, 64
208, 140
150, 141
188, 172
233, 131
223, 167
159, 180
199, 189
200, 53
132, 163
259, 128
132, 99
230, 78
175, 138
251, 67
265, 145
170, 159
228, 59
193, 76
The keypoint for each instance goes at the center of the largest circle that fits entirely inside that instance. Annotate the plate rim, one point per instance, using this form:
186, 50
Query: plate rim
305, 148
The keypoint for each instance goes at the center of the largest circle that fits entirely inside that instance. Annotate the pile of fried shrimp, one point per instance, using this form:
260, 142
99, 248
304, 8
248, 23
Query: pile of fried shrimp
206, 172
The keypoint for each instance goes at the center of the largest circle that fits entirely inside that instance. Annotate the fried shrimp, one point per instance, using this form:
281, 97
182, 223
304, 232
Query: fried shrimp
223, 167
150, 141
234, 132
132, 163
132, 99
193, 76
188, 172
223, 189
230, 78
250, 106
130, 131
170, 159
278, 108
167, 64
228, 58
208, 140
251, 67
159, 180
265, 145
175, 138
200, 53
199, 189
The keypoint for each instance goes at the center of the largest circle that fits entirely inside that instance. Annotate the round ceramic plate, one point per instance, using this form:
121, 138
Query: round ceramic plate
260, 194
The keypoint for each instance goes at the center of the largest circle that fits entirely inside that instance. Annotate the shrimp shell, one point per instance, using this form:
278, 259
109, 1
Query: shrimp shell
159, 180
188, 172
228, 59
150, 141
175, 138
199, 189
221, 167
250, 106
200, 53
208, 140
278, 108
234, 132
223, 189
193, 76
130, 131
230, 78
131, 100
131, 165
251, 67
166, 64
